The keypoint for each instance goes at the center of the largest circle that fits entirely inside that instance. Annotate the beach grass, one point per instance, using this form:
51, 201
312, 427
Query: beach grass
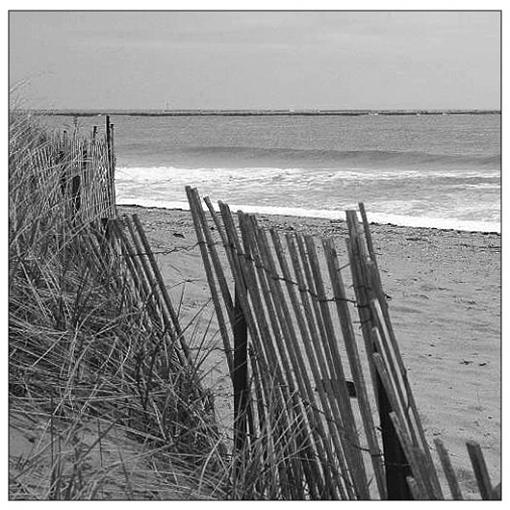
93, 413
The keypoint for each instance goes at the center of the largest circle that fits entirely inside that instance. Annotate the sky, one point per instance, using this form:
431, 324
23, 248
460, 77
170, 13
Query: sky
201, 60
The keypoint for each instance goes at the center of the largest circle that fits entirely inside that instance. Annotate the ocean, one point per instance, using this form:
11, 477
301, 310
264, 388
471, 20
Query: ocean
441, 171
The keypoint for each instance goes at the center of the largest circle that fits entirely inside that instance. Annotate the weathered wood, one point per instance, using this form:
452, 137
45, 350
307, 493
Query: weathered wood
395, 461
240, 376
292, 332
274, 340
414, 424
480, 470
449, 472
368, 234
311, 342
162, 288
360, 290
113, 199
154, 301
352, 446
276, 394
354, 362
201, 229
324, 450
414, 489
328, 370
312, 450
373, 281
367, 284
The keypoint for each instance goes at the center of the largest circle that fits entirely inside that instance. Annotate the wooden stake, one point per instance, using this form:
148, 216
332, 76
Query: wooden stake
354, 361
448, 469
240, 376
480, 470
201, 228
113, 203
162, 288
328, 371
274, 341
353, 448
288, 350
316, 421
319, 369
243, 276
161, 314
396, 463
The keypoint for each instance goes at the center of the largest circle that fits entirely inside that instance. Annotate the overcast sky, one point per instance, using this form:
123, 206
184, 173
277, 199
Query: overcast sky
256, 60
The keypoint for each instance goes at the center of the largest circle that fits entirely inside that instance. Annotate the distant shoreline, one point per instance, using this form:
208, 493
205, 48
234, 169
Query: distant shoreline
258, 113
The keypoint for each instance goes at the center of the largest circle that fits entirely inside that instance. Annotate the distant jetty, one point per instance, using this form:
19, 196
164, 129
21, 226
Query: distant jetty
245, 113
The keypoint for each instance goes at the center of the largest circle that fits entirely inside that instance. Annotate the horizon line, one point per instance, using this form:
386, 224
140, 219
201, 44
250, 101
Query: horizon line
258, 111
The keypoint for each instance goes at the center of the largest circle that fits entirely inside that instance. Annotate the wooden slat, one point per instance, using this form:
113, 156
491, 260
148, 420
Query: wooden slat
329, 371
480, 470
352, 445
291, 351
301, 367
162, 287
274, 388
354, 361
320, 371
159, 310
274, 340
415, 489
373, 281
448, 469
202, 229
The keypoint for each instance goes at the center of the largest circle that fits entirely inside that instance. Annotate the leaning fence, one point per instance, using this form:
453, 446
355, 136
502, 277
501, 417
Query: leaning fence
322, 412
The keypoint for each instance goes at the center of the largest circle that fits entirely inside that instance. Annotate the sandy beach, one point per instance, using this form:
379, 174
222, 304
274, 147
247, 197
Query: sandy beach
445, 306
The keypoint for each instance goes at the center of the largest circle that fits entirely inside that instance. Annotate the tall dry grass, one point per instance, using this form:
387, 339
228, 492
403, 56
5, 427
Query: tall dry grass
94, 413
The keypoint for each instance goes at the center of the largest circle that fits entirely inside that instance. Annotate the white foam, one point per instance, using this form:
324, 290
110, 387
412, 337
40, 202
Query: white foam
170, 174
384, 218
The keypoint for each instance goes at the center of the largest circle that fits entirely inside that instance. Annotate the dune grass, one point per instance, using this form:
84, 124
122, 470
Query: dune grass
93, 412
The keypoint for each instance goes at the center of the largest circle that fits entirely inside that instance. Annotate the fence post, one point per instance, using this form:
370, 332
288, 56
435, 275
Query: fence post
113, 206
77, 183
396, 464
107, 238
397, 467
240, 374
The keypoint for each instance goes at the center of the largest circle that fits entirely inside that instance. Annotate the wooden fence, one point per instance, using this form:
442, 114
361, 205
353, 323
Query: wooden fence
87, 172
118, 248
324, 413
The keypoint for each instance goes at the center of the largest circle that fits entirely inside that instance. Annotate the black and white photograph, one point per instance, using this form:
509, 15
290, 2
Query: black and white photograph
254, 255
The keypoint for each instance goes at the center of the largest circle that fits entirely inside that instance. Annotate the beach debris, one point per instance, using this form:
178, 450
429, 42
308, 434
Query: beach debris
466, 362
178, 234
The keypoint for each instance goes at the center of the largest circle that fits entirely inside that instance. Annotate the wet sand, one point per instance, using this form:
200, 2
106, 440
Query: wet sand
445, 293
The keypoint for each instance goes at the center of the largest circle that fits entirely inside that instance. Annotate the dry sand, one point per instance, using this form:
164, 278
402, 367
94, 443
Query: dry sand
445, 290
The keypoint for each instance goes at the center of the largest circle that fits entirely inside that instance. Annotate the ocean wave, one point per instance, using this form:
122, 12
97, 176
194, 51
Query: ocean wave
287, 158
170, 174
